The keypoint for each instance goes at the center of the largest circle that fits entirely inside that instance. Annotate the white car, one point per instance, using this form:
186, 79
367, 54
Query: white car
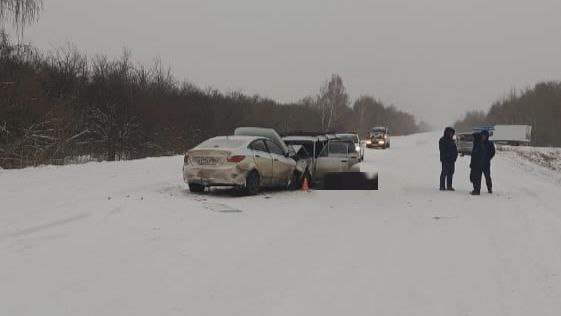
359, 145
326, 154
336, 157
248, 162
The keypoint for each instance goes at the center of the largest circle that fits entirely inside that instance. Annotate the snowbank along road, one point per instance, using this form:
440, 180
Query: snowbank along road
127, 238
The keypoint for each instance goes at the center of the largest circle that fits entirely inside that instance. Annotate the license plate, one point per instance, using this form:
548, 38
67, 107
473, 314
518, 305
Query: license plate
206, 161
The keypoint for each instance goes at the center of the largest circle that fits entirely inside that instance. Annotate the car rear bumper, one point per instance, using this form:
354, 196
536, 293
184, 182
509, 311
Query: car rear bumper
218, 176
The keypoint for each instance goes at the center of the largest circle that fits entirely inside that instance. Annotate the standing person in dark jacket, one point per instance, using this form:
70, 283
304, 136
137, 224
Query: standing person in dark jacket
482, 153
476, 164
448, 156
488, 154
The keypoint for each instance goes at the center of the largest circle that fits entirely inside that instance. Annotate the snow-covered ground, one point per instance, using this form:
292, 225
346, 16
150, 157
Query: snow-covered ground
127, 238
547, 157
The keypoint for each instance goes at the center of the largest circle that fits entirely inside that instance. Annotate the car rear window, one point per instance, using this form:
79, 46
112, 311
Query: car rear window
258, 145
222, 143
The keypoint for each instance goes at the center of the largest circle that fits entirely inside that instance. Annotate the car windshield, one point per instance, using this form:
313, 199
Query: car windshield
466, 137
222, 143
378, 130
350, 137
338, 148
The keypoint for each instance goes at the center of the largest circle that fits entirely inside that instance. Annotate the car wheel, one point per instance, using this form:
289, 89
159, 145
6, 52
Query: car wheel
196, 188
252, 184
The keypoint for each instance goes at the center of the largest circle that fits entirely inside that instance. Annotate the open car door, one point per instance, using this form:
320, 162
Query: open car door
333, 158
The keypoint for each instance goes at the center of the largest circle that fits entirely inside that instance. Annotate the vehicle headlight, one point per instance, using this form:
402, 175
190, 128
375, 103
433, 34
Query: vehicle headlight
357, 147
380, 142
368, 142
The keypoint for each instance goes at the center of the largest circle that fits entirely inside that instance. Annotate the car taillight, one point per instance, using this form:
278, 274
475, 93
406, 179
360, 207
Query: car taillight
236, 158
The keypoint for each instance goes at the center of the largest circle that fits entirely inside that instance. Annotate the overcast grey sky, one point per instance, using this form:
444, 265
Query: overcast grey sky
434, 58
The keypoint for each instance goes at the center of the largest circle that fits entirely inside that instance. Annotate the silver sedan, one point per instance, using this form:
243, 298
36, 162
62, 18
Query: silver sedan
247, 162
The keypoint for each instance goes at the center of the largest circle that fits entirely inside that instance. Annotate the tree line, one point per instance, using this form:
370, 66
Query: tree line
539, 107
62, 106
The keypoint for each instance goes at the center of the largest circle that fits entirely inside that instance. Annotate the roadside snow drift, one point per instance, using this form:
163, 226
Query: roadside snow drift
127, 238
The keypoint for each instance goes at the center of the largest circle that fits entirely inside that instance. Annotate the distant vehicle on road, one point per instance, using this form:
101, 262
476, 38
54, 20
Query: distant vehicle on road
464, 142
359, 146
515, 135
378, 137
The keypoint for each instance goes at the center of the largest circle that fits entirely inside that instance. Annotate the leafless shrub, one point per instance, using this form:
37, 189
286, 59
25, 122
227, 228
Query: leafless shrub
539, 107
57, 107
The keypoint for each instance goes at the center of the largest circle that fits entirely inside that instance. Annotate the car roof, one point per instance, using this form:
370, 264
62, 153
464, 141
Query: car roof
306, 138
239, 137
244, 139
267, 133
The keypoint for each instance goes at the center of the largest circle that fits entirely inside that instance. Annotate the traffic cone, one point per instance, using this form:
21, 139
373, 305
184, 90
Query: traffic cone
305, 185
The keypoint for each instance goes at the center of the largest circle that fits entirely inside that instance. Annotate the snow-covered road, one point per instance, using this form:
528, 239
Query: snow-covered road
127, 238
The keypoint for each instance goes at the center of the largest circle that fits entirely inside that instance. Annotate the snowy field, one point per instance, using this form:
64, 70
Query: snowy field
127, 238
548, 157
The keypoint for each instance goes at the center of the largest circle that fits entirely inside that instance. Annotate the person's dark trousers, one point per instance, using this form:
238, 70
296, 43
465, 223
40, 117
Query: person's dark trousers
487, 172
475, 177
446, 175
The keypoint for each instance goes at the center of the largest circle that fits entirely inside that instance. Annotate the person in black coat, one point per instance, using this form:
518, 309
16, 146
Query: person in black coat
481, 155
448, 156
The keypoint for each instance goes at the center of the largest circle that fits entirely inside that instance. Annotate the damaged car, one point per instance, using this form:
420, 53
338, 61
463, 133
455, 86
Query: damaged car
251, 159
246, 162
326, 153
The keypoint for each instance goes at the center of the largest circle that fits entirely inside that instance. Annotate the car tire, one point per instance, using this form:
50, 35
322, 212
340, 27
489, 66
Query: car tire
196, 188
252, 183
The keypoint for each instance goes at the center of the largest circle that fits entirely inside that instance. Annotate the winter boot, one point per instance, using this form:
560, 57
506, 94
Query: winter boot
474, 193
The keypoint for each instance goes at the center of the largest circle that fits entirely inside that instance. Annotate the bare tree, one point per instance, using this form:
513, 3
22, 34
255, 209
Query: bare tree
332, 102
65, 107
20, 12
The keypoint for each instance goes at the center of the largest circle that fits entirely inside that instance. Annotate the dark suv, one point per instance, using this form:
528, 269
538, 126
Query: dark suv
378, 137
